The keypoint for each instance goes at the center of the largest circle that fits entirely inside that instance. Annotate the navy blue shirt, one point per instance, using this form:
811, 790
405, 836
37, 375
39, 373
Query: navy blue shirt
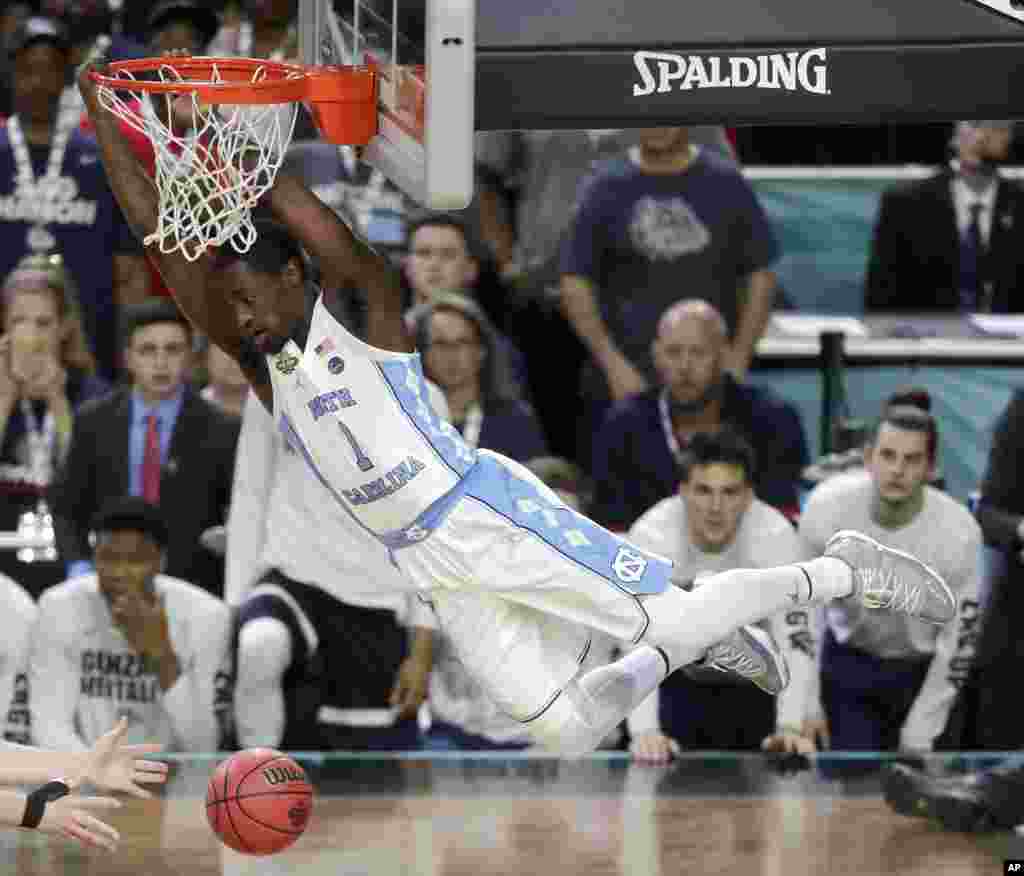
88, 227
634, 467
647, 240
512, 429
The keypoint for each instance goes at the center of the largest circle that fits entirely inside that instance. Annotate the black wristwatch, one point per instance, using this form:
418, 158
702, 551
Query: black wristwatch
35, 803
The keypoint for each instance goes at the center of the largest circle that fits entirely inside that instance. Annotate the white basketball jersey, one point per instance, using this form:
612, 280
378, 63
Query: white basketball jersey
362, 420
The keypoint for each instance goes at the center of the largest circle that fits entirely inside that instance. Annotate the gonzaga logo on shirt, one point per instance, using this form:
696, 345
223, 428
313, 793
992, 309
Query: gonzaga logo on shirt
48, 201
661, 72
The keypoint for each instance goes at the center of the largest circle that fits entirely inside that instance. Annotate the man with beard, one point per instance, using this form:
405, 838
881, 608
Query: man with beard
673, 217
641, 444
951, 242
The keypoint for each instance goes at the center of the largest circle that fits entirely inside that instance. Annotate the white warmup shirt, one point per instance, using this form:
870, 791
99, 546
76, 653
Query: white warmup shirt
84, 676
20, 613
283, 518
764, 539
944, 535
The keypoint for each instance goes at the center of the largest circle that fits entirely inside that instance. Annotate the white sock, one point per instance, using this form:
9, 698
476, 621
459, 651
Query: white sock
832, 578
591, 706
624, 684
264, 655
685, 624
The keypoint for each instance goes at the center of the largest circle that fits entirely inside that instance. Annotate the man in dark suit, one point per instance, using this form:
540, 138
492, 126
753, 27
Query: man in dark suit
952, 242
156, 439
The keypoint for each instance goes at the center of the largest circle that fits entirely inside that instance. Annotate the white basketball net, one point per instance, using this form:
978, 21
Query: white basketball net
209, 177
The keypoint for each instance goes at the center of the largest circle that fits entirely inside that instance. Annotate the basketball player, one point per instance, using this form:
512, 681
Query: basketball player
109, 765
515, 577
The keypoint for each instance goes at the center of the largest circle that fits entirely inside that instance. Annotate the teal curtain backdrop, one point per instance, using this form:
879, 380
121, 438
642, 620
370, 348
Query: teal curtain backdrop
824, 220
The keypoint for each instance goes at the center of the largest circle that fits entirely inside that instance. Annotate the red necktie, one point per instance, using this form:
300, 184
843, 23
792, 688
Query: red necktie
151, 462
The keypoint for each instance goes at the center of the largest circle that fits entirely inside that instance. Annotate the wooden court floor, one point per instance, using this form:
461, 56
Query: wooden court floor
524, 817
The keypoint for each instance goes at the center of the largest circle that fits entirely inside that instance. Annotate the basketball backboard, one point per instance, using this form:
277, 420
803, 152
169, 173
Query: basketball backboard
544, 64
425, 54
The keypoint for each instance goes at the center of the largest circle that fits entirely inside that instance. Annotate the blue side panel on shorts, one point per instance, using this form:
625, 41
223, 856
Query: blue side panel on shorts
410, 389
577, 537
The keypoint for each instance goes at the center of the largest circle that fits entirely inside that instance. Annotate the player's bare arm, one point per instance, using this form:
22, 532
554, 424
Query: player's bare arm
137, 196
345, 260
189, 282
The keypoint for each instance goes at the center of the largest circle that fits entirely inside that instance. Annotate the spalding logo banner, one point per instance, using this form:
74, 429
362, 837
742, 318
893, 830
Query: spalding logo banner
660, 72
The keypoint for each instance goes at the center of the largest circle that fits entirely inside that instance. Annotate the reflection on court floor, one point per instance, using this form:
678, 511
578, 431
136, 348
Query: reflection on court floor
516, 815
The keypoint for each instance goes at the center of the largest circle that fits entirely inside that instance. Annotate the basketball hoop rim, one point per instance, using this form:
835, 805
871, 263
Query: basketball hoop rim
283, 82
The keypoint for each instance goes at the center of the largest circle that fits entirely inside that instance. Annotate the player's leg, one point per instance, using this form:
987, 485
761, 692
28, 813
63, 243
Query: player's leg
557, 560
274, 694
527, 662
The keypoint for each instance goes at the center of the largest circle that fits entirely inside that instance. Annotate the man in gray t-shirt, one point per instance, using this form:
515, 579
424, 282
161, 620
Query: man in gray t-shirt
888, 682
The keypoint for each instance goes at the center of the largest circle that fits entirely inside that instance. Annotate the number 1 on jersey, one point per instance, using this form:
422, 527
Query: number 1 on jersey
362, 460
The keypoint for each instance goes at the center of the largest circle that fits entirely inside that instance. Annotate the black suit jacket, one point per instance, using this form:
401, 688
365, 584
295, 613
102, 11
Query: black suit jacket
195, 486
985, 715
914, 265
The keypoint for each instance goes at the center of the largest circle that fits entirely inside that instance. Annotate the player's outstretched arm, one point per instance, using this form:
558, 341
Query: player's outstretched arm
345, 260
109, 765
137, 196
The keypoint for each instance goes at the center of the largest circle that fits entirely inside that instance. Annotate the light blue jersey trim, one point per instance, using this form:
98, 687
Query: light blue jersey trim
574, 536
405, 378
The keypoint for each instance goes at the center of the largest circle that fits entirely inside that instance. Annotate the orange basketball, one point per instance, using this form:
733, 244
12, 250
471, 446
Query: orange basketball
258, 801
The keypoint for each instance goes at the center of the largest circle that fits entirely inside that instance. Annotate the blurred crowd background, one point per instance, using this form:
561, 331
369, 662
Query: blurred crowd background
596, 314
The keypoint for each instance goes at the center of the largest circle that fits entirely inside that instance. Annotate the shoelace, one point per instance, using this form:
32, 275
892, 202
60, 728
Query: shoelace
893, 593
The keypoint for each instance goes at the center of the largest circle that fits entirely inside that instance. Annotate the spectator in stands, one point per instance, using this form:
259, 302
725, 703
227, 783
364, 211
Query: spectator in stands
676, 217
183, 25
544, 173
46, 374
641, 443
713, 524
442, 258
12, 17
91, 24
889, 685
315, 672
461, 355
19, 612
156, 439
267, 29
54, 195
952, 242
462, 716
227, 387
129, 641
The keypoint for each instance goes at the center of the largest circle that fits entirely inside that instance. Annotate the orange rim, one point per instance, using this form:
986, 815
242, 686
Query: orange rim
280, 82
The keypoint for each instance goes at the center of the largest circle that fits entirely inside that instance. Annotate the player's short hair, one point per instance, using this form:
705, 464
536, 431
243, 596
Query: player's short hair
151, 312
271, 252
909, 409
131, 514
724, 447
